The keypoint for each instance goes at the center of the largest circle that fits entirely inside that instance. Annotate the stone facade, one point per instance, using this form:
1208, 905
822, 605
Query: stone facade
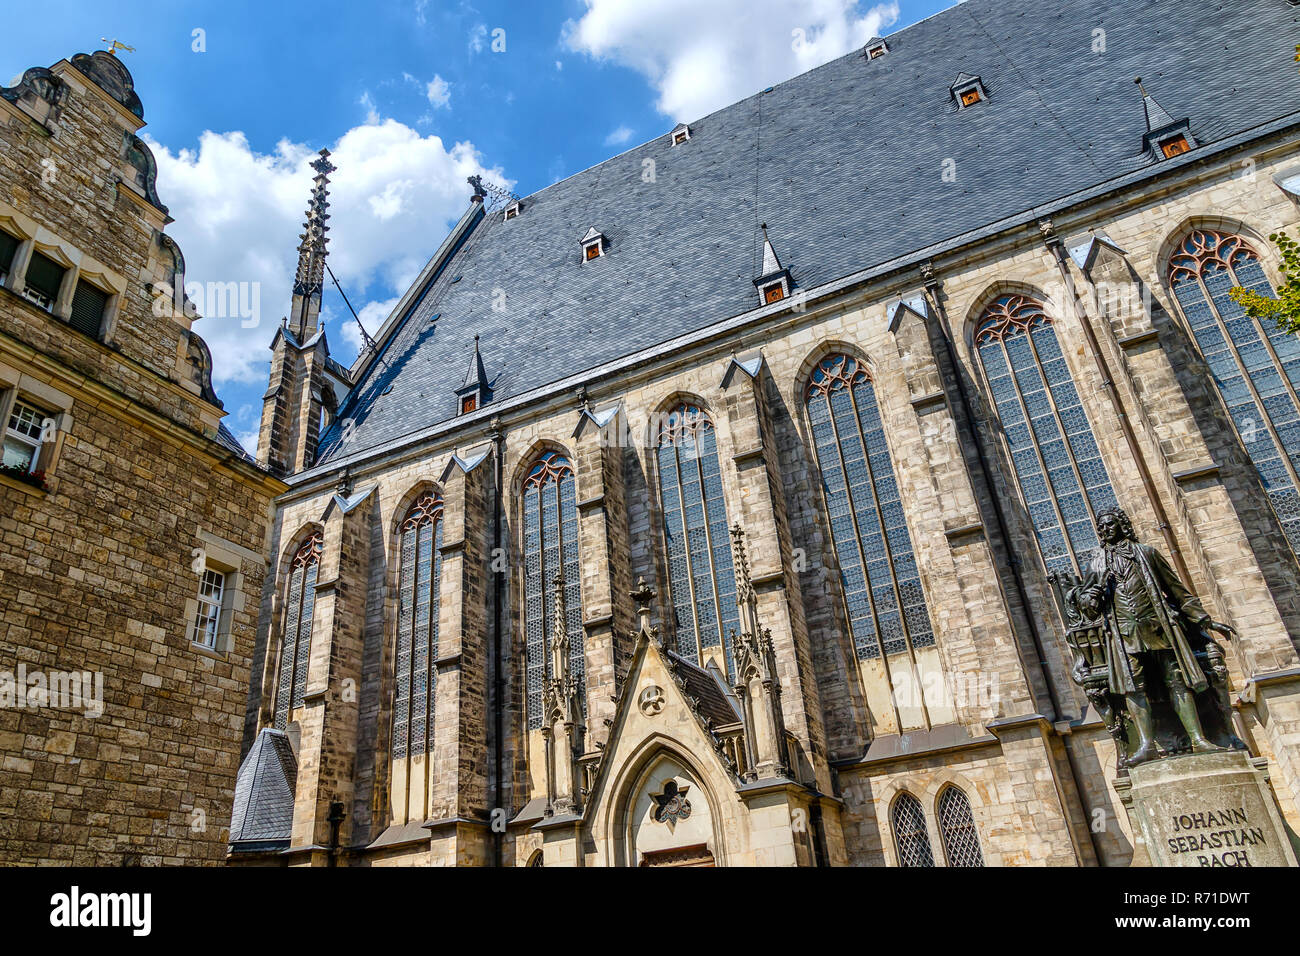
1035, 765
570, 711
142, 488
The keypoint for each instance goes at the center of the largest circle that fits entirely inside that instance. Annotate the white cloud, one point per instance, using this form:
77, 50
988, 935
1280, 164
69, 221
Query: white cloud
701, 55
477, 36
439, 92
239, 214
372, 316
618, 137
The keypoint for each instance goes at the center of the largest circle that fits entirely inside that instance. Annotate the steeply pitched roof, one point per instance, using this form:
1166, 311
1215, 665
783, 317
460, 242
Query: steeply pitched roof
262, 818
844, 164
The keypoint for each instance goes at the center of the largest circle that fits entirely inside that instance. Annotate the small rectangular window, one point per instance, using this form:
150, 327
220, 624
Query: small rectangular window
207, 618
679, 137
8, 249
1175, 147
88, 307
774, 293
468, 404
44, 276
593, 250
970, 97
26, 431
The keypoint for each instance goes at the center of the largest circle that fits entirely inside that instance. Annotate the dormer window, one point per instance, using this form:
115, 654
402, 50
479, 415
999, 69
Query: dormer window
1175, 146
968, 90
593, 245
468, 404
877, 48
774, 283
512, 211
680, 134
772, 293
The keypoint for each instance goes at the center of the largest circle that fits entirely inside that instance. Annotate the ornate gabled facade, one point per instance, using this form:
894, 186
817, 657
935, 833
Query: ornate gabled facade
1000, 309
132, 523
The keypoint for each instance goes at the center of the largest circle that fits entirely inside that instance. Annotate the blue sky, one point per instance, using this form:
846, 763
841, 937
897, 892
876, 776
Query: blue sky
412, 97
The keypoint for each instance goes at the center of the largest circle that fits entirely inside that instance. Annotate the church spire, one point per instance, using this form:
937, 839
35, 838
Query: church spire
309, 280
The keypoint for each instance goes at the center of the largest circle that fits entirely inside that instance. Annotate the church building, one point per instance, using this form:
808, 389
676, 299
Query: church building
705, 507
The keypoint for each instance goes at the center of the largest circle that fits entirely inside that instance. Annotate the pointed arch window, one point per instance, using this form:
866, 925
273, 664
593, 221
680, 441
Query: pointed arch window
415, 677
1057, 463
882, 586
701, 579
550, 527
910, 836
1256, 366
961, 840
295, 645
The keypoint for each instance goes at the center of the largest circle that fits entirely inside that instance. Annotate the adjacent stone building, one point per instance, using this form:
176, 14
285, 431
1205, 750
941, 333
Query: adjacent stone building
132, 524
700, 508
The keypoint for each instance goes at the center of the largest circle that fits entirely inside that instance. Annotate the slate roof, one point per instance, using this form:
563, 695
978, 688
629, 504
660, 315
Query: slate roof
227, 439
262, 818
705, 685
844, 165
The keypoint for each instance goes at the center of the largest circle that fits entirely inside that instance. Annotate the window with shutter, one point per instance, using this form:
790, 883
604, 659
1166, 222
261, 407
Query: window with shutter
44, 276
88, 306
8, 249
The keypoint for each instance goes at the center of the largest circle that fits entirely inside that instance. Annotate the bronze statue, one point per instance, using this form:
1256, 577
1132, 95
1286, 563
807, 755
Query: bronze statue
1143, 650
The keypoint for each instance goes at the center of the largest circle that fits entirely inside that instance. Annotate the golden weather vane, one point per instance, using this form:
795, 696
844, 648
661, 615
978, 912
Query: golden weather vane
115, 45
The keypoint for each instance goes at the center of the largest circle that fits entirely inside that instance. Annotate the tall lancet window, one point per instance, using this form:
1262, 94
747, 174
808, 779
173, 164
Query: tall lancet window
550, 528
701, 580
961, 839
882, 587
419, 569
1059, 469
295, 645
1255, 365
911, 838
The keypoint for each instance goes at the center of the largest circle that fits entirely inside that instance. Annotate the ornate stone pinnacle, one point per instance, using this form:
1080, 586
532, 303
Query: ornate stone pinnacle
643, 595
310, 277
743, 586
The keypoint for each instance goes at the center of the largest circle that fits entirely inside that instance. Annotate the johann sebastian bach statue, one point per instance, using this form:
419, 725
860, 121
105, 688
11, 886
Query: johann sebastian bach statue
1143, 650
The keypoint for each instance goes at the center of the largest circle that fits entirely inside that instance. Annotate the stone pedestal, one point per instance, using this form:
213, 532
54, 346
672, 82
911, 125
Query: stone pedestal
1213, 810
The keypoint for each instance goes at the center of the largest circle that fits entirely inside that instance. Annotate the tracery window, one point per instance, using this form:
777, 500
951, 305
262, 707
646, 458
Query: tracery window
419, 570
1058, 466
550, 526
910, 836
882, 587
701, 581
961, 840
1255, 365
295, 645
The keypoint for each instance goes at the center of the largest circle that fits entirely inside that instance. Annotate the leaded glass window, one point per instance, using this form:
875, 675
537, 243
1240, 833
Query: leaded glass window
300, 602
961, 841
415, 677
550, 526
1058, 466
1256, 366
910, 836
701, 581
882, 587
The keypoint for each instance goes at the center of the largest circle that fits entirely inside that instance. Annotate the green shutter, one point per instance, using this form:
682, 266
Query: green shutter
88, 305
44, 276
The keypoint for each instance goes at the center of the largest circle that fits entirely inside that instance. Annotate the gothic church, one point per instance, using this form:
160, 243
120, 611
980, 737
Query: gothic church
700, 509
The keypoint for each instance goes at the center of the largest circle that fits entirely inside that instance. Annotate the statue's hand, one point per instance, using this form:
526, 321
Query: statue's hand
1227, 630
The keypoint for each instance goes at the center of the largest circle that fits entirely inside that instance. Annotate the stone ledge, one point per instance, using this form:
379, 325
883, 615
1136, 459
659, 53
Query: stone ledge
1207, 470
22, 486
929, 403
914, 744
1138, 338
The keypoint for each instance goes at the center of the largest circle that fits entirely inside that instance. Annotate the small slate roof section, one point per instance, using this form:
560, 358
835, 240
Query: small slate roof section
844, 165
706, 686
227, 440
263, 813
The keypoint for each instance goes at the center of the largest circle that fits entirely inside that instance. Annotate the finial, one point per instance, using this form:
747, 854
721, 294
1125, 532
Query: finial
643, 595
115, 45
1141, 88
